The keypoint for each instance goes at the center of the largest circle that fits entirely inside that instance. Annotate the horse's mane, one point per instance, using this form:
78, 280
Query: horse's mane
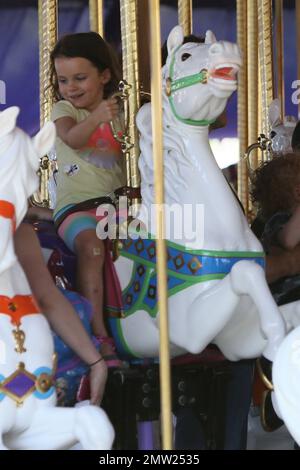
12, 147
173, 152
17, 159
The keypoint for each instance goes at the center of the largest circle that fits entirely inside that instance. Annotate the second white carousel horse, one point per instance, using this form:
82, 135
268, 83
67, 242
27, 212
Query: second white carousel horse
28, 416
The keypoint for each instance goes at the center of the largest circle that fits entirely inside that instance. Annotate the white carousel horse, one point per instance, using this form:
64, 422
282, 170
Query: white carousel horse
217, 287
28, 416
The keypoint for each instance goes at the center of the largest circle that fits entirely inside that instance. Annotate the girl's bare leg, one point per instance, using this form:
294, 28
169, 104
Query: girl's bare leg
90, 259
90, 254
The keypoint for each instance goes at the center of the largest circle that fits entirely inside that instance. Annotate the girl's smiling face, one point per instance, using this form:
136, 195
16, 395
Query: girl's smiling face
80, 82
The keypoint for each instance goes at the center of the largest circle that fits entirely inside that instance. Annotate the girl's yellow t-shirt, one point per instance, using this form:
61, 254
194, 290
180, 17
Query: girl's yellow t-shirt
90, 172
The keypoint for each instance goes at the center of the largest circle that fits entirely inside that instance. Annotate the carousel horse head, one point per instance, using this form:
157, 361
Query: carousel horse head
199, 77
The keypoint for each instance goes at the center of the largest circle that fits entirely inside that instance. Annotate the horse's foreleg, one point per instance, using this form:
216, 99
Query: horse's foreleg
194, 327
248, 278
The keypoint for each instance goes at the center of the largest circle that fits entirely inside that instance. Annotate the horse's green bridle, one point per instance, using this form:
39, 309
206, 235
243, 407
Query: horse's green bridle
174, 85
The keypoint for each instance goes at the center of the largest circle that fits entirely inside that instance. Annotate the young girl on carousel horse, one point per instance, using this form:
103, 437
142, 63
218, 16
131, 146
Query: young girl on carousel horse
84, 75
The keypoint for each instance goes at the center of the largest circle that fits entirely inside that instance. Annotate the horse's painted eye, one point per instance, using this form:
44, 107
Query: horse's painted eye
272, 134
185, 56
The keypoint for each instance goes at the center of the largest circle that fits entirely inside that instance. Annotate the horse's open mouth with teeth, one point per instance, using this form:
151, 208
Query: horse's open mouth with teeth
225, 72
224, 76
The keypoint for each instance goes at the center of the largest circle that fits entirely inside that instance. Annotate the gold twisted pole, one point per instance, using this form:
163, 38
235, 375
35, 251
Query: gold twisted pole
47, 40
128, 12
280, 55
156, 92
265, 59
185, 16
252, 72
96, 16
241, 12
47, 13
144, 46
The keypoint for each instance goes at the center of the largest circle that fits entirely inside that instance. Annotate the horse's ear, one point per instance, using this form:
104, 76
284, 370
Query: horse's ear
175, 38
210, 38
8, 119
274, 113
44, 139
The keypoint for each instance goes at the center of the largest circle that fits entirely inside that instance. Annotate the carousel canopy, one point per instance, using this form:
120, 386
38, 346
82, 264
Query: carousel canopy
19, 53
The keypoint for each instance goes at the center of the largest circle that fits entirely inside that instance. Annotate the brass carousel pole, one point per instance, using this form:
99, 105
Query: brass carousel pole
185, 16
252, 72
144, 46
280, 55
241, 11
156, 91
265, 59
96, 16
47, 40
128, 12
47, 10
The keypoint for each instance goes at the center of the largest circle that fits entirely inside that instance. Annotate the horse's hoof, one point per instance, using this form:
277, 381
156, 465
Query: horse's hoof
264, 367
269, 419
